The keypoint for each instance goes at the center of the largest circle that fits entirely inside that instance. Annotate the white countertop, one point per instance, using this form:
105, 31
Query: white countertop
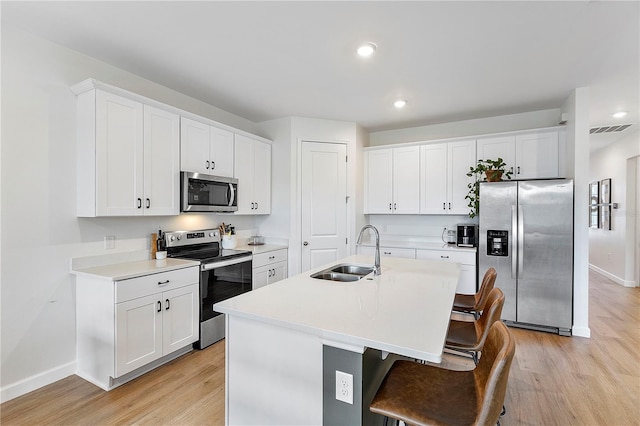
264, 248
419, 245
405, 310
123, 271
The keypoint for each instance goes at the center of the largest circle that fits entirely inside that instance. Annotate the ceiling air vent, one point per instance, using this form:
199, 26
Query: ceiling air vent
609, 129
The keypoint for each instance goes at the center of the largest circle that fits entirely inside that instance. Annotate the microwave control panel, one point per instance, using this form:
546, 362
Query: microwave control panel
497, 243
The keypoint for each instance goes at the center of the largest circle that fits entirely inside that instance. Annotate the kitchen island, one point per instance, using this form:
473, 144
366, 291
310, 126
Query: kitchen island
286, 341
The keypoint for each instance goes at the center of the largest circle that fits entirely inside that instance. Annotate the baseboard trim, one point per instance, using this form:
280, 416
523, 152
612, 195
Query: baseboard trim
578, 331
612, 277
32, 383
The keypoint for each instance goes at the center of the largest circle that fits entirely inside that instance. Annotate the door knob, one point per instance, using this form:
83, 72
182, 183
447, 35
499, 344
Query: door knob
306, 243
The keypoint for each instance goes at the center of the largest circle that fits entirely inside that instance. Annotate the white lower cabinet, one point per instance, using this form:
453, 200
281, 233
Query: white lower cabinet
408, 253
126, 325
467, 260
269, 267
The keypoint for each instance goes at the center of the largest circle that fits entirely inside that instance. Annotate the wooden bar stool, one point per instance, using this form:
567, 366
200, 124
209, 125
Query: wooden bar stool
474, 303
470, 336
421, 394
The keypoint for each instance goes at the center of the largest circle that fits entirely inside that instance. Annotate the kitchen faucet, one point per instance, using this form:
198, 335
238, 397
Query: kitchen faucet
376, 266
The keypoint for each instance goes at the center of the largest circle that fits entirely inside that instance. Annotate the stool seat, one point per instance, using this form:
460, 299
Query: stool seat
474, 303
463, 334
464, 302
420, 394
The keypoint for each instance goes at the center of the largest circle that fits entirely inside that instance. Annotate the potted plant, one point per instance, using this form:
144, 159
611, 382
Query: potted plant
492, 171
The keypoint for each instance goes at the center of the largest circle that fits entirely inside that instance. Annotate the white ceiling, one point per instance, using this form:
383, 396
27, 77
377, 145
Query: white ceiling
451, 60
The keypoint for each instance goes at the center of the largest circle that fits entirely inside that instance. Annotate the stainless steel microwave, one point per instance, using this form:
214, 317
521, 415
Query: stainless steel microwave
205, 193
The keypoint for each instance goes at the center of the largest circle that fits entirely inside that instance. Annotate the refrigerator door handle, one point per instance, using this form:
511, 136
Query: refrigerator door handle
520, 241
514, 249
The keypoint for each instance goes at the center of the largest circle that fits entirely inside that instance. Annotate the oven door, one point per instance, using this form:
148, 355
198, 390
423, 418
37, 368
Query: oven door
204, 193
222, 280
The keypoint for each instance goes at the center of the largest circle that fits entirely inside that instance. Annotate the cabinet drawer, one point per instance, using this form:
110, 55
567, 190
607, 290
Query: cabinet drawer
155, 283
267, 258
408, 253
464, 257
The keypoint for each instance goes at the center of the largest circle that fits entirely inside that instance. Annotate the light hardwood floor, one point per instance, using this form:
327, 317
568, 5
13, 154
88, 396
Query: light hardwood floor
554, 380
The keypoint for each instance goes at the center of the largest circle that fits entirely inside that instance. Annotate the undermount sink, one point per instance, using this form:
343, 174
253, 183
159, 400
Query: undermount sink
333, 276
343, 273
353, 270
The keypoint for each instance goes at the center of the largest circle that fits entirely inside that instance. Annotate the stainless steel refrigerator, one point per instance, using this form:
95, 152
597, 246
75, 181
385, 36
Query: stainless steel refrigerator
526, 234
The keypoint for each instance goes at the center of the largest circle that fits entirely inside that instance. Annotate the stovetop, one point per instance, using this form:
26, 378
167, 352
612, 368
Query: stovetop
202, 245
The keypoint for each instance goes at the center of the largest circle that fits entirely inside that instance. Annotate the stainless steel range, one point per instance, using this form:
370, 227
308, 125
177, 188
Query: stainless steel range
223, 274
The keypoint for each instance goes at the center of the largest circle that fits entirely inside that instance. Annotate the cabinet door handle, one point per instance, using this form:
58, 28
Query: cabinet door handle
518, 168
213, 165
511, 169
444, 206
256, 206
139, 203
252, 206
389, 206
159, 306
394, 206
148, 203
167, 304
207, 166
306, 243
163, 282
449, 206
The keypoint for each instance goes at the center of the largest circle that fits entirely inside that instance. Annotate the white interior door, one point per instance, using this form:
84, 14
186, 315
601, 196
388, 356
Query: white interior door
324, 203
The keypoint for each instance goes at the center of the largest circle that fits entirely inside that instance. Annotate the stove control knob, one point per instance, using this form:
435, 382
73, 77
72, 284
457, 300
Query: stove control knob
179, 237
172, 238
211, 234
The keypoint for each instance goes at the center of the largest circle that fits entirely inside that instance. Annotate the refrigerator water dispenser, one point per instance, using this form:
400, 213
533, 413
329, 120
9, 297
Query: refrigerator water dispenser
497, 243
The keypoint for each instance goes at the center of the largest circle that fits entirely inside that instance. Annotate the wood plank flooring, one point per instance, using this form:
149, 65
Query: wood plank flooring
554, 380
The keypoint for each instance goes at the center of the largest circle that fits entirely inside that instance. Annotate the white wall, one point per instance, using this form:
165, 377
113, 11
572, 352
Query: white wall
609, 252
480, 126
577, 109
40, 232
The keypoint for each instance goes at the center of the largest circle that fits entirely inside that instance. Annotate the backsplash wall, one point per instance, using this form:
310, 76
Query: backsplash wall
424, 228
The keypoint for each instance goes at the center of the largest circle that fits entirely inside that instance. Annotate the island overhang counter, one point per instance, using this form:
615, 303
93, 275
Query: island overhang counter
285, 341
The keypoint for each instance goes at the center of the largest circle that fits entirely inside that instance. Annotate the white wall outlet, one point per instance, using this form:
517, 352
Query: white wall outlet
109, 242
344, 387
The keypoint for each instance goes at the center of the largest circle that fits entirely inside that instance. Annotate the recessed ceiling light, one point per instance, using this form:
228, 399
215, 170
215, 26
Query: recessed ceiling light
619, 114
366, 49
400, 103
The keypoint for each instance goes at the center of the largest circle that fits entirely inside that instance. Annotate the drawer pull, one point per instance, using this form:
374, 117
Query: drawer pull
163, 282
387, 252
444, 257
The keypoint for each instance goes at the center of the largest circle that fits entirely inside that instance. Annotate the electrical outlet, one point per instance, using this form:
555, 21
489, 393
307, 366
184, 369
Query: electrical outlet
109, 242
344, 387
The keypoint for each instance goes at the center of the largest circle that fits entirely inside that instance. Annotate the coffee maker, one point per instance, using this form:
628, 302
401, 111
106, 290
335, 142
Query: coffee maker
467, 235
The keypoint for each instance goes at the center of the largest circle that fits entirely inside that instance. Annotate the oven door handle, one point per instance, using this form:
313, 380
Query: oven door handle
223, 263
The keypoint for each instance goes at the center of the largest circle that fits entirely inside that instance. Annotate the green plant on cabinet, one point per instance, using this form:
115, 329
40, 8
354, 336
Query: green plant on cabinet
493, 171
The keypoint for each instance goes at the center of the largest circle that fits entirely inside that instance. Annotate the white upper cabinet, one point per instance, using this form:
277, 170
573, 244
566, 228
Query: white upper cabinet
252, 168
205, 149
127, 157
392, 183
537, 155
443, 177
161, 162
531, 155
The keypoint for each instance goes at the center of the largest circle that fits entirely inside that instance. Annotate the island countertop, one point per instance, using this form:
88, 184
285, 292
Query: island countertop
405, 310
